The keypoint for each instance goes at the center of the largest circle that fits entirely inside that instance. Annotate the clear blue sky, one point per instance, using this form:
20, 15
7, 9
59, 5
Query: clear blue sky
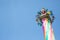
17, 19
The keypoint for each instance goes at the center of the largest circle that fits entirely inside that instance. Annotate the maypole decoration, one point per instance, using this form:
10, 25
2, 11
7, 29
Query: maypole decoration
45, 19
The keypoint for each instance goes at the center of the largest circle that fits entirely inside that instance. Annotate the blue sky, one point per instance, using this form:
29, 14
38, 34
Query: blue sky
17, 19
